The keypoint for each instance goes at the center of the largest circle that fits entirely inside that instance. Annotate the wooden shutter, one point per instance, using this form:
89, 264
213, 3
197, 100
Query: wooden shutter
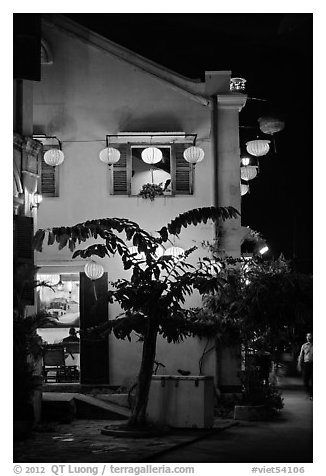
23, 251
94, 355
49, 177
183, 171
122, 170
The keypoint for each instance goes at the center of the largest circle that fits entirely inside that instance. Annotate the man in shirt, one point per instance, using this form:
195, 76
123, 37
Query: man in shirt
305, 364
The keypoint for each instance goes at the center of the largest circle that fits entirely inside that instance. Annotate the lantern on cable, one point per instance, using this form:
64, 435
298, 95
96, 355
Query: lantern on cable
151, 155
175, 251
271, 125
60, 286
94, 271
53, 157
248, 172
244, 187
194, 154
133, 250
109, 155
258, 147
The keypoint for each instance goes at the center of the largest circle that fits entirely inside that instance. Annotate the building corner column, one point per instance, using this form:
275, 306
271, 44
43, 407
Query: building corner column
228, 107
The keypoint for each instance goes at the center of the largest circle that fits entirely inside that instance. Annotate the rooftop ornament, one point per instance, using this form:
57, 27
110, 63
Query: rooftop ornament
238, 85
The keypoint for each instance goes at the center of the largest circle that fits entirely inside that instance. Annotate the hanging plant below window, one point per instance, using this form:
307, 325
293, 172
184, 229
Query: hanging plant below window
152, 190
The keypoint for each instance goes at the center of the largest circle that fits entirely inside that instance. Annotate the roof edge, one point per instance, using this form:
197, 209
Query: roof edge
194, 89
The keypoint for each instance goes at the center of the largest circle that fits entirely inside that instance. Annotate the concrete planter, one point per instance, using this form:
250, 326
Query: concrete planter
251, 412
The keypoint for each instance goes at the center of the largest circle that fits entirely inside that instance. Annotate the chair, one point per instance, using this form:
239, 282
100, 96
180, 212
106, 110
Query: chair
71, 353
54, 366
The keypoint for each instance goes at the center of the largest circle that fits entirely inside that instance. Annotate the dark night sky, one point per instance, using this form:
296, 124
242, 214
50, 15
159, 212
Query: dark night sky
273, 52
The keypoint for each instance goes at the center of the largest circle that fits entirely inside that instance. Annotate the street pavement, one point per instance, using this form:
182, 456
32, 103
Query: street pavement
286, 439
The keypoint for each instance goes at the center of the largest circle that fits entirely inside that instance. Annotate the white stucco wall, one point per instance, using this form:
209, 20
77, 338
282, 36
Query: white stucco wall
84, 95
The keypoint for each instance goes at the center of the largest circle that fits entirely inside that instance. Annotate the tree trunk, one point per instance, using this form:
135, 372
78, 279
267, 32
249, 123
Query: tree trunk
138, 417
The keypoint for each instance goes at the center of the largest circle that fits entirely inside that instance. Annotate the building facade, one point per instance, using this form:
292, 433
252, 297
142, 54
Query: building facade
95, 94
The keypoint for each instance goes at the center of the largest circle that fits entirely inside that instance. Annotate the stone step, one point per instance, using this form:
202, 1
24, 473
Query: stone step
66, 406
120, 399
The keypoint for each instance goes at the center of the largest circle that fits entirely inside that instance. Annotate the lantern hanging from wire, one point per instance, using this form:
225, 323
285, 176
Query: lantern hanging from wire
151, 155
244, 188
93, 270
258, 147
238, 84
133, 250
248, 172
245, 160
53, 157
109, 155
194, 154
175, 251
271, 125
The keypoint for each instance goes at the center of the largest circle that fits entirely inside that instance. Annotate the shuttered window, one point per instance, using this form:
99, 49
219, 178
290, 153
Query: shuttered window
49, 177
121, 171
23, 251
181, 171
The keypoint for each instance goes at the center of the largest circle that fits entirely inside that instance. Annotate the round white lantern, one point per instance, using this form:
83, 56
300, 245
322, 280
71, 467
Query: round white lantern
139, 256
93, 270
244, 188
175, 251
194, 154
258, 147
245, 160
270, 124
248, 172
109, 155
54, 157
151, 155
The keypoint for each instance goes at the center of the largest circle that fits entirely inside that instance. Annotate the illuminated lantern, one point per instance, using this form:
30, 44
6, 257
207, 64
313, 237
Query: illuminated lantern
93, 270
151, 155
270, 125
193, 154
245, 160
54, 157
248, 172
258, 147
139, 256
109, 155
244, 188
174, 251
158, 252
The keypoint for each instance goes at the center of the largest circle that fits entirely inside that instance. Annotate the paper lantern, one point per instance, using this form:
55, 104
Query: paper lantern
244, 188
258, 147
109, 155
193, 154
151, 155
245, 160
248, 172
93, 270
54, 157
270, 125
174, 251
139, 256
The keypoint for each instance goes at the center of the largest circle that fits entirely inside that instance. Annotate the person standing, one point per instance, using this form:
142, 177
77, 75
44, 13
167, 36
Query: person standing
305, 364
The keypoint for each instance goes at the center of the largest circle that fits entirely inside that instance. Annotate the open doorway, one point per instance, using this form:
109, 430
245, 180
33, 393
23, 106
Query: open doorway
60, 340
